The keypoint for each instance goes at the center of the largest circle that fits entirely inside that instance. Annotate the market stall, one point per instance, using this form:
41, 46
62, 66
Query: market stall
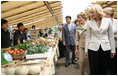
34, 63
42, 14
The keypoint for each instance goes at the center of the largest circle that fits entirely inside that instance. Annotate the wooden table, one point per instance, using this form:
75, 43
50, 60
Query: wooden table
48, 68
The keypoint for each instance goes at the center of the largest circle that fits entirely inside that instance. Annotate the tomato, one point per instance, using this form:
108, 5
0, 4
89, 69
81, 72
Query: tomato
20, 50
15, 52
12, 51
9, 52
15, 49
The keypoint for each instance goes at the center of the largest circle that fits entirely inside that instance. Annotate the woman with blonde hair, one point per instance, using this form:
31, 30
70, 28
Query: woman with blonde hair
80, 40
99, 44
109, 13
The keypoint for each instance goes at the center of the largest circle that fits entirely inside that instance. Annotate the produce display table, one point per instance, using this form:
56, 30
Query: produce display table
50, 68
47, 67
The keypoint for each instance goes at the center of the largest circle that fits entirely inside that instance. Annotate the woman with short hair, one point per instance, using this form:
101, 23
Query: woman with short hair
80, 40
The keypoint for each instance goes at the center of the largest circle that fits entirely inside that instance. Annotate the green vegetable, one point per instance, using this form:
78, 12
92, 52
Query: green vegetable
24, 46
40, 48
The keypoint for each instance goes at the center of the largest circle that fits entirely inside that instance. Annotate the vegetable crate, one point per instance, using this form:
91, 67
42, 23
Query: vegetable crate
40, 55
19, 56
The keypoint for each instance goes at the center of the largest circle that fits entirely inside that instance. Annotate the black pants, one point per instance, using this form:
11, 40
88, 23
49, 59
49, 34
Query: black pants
62, 49
68, 48
98, 61
113, 68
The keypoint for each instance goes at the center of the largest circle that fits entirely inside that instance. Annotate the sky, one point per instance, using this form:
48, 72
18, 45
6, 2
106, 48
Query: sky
73, 7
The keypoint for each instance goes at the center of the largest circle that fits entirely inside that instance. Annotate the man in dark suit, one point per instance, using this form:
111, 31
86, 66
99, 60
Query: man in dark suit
68, 34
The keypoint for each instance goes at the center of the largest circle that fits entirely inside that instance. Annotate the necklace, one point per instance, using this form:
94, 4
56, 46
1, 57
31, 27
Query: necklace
98, 23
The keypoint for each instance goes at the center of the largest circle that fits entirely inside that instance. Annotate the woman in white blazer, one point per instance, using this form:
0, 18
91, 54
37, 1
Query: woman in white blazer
109, 12
99, 41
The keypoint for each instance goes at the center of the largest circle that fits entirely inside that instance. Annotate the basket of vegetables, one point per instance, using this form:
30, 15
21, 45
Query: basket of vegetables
17, 54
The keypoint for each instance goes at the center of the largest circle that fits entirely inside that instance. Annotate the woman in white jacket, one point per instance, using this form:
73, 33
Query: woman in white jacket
109, 12
99, 41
